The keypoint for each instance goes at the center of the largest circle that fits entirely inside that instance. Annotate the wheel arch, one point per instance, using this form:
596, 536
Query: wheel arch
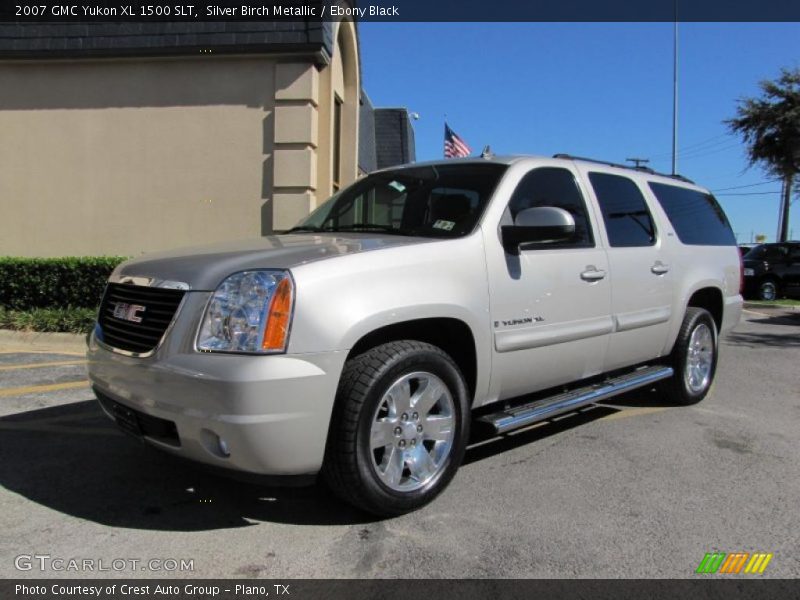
711, 299
452, 335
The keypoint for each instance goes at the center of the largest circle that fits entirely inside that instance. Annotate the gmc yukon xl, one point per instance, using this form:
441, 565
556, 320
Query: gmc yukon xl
363, 344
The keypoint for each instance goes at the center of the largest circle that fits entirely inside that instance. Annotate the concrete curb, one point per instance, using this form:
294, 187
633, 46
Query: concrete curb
35, 341
755, 305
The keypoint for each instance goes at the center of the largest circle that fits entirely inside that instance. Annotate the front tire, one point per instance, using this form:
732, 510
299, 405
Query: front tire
693, 358
399, 428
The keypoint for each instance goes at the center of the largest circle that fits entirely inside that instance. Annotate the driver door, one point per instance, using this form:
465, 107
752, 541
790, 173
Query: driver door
551, 303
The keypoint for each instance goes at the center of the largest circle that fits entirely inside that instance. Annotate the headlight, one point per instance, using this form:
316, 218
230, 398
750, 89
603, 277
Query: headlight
250, 311
749, 272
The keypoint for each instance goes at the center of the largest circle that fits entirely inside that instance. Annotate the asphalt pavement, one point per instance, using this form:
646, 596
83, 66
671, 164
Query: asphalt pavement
633, 488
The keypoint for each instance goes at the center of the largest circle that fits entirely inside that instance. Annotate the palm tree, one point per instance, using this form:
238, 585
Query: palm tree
770, 126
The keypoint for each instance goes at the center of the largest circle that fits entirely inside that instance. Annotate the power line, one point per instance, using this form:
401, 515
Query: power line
704, 145
738, 187
708, 151
749, 194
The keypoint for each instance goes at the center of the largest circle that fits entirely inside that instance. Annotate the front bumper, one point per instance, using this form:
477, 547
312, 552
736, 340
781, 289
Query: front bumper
272, 412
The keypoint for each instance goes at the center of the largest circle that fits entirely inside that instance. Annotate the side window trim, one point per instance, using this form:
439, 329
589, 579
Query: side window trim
654, 233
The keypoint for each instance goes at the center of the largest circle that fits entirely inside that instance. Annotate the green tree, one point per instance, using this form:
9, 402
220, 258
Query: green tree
770, 126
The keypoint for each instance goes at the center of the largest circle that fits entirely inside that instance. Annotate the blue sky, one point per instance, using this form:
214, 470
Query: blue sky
591, 89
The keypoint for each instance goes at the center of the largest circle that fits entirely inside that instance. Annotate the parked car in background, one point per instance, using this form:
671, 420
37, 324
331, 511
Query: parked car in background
745, 248
772, 271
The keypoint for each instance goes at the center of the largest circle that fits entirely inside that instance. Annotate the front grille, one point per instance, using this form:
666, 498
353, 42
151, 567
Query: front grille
124, 304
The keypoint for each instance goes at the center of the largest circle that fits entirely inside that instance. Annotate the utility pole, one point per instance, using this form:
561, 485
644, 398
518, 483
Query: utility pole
781, 235
638, 162
675, 92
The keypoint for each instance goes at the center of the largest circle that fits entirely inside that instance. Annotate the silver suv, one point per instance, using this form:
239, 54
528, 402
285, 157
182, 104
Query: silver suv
362, 344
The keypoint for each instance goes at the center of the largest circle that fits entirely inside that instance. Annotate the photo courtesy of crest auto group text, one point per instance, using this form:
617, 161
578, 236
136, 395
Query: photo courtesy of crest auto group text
317, 299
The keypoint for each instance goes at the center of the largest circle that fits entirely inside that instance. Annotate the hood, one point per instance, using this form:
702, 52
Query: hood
204, 267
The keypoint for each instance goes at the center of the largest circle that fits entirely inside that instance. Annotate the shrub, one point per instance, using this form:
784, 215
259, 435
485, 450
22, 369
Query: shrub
72, 320
54, 283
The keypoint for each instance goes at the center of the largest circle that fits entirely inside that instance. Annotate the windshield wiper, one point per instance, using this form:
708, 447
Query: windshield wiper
311, 228
373, 227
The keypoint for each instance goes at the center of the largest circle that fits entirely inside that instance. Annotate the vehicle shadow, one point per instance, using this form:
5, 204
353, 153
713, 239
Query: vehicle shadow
790, 339
72, 459
484, 444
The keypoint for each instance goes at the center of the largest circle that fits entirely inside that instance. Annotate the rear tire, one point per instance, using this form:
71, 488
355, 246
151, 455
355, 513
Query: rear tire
768, 290
694, 359
399, 428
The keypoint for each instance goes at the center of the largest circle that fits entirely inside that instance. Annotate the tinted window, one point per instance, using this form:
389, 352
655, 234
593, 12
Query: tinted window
551, 186
628, 221
697, 218
434, 201
767, 252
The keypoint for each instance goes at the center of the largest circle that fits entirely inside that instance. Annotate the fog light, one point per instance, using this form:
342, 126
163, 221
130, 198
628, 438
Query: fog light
214, 444
223, 447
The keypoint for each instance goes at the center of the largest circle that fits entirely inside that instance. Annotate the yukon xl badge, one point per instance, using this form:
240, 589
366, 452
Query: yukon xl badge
523, 321
127, 312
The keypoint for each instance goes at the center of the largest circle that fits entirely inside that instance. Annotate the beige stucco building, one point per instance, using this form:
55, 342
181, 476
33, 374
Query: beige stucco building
123, 139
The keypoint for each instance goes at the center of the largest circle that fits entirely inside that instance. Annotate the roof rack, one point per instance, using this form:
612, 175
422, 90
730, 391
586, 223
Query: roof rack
620, 166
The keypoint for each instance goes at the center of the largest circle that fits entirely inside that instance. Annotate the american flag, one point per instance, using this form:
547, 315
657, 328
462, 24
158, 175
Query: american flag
454, 146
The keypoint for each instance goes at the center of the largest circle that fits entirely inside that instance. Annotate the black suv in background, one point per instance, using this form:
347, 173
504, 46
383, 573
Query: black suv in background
772, 271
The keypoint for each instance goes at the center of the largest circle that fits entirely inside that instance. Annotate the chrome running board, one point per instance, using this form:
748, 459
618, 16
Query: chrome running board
515, 417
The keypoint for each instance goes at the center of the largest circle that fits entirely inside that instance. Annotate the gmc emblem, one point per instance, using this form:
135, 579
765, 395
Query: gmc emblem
127, 312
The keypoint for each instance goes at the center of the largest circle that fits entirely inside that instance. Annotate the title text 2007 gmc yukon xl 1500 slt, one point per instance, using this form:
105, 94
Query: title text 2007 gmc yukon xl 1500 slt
363, 343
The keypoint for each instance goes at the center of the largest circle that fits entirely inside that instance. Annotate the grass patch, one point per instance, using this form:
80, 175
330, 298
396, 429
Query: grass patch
64, 320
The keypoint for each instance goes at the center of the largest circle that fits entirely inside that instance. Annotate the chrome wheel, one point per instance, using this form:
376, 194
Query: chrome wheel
412, 431
699, 359
768, 291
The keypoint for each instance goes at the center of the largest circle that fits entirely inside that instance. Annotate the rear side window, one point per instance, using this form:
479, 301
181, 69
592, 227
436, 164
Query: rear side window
625, 213
697, 218
768, 252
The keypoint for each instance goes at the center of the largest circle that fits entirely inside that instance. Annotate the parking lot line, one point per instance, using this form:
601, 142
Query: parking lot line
59, 363
634, 412
755, 312
37, 389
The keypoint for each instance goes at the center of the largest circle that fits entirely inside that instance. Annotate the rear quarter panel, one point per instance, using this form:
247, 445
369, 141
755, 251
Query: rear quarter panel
696, 267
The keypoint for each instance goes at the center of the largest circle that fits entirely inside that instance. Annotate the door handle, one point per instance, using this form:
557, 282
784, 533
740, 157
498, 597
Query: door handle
592, 274
659, 268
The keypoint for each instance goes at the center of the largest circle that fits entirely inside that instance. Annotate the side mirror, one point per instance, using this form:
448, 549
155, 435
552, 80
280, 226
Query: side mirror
540, 225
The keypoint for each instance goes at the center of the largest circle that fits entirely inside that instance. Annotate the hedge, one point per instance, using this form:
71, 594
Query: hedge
70, 320
54, 283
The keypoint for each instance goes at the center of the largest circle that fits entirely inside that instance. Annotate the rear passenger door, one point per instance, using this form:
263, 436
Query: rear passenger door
639, 268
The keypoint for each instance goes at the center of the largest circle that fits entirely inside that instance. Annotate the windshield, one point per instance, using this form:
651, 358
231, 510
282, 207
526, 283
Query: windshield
430, 201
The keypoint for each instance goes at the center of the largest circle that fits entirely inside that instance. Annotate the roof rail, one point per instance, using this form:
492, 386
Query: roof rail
620, 166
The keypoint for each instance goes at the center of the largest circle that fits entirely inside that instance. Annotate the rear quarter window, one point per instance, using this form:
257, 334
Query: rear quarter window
696, 216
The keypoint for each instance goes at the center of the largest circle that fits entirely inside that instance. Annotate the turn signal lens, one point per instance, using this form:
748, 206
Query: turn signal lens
278, 318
